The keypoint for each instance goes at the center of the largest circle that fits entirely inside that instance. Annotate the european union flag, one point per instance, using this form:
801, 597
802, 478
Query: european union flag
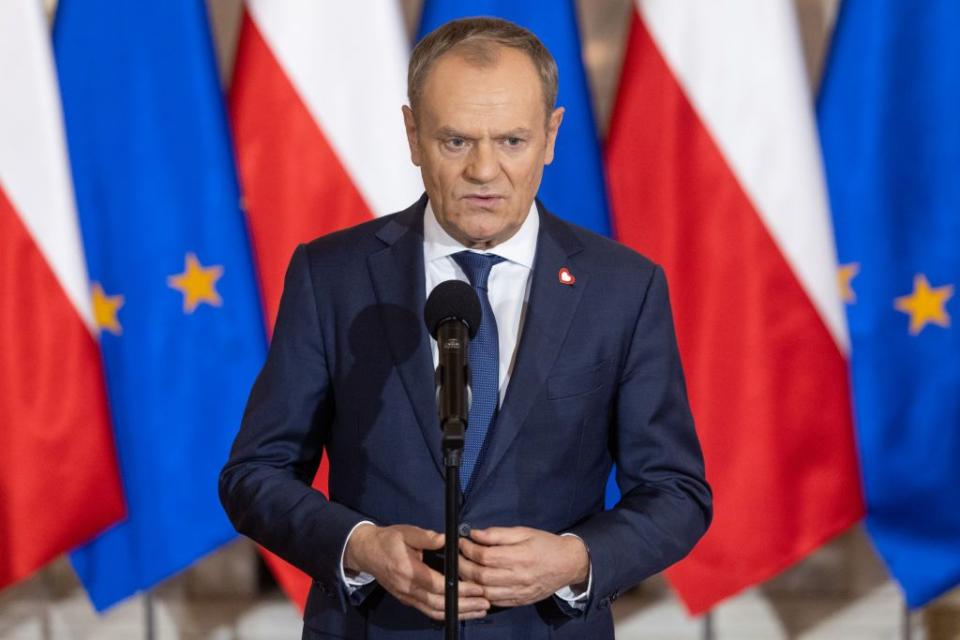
573, 185
890, 127
173, 282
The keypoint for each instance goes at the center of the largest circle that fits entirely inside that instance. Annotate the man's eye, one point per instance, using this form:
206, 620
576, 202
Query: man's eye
513, 141
456, 143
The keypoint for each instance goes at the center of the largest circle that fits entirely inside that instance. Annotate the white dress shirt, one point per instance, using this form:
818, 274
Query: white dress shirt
508, 286
508, 289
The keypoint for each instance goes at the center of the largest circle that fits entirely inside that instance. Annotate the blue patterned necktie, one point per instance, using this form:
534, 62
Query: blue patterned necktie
484, 363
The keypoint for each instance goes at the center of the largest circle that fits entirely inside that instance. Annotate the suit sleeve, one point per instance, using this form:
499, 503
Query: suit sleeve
265, 485
666, 504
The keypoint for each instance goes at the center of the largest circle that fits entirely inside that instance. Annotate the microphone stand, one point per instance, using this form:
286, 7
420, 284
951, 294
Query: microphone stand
453, 437
453, 401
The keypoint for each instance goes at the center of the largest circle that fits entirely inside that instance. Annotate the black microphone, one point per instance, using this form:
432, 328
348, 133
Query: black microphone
452, 314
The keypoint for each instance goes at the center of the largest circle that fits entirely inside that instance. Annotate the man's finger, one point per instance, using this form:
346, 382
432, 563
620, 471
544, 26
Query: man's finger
484, 576
470, 588
506, 596
436, 602
426, 578
469, 570
428, 611
473, 615
500, 535
432, 581
497, 556
473, 605
422, 538
428, 599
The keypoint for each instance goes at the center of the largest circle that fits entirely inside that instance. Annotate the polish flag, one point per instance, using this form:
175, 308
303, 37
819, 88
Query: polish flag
714, 171
59, 481
315, 110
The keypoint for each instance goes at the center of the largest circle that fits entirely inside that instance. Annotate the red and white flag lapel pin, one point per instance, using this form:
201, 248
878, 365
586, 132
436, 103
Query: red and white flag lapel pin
565, 277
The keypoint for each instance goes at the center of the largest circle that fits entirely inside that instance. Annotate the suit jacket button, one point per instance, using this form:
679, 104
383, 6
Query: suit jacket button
464, 529
604, 603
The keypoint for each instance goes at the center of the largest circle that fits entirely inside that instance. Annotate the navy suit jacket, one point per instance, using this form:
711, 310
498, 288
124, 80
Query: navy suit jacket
597, 380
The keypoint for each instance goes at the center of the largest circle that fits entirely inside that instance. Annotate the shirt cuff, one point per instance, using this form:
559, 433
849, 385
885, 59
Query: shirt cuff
568, 594
352, 583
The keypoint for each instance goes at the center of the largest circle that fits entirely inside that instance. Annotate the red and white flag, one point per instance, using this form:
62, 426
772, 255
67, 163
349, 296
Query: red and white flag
315, 110
59, 482
714, 171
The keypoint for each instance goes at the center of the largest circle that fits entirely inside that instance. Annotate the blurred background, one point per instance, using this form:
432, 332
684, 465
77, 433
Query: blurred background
841, 589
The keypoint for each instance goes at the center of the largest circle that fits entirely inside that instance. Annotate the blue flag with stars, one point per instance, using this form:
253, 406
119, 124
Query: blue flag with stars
573, 185
890, 127
173, 282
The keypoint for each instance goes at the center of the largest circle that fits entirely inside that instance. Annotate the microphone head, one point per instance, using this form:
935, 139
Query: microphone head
452, 300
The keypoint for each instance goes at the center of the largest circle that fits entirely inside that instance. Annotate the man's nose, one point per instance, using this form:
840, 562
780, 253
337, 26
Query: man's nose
483, 165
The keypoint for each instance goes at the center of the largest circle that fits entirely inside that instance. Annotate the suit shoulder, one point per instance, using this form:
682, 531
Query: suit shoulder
345, 244
606, 254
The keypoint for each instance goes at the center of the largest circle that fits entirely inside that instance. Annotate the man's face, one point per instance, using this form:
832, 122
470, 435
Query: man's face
481, 140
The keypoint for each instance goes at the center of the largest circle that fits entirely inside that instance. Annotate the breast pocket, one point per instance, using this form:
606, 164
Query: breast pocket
575, 382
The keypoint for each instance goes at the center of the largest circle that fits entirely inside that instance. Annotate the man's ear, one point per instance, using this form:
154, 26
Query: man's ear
410, 123
553, 126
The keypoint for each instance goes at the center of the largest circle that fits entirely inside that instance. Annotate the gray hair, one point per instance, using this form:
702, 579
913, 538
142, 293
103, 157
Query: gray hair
477, 40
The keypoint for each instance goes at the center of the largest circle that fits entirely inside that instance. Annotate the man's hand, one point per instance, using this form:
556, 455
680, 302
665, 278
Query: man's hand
394, 556
518, 565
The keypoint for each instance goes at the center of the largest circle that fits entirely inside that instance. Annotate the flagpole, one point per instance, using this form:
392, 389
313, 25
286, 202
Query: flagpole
46, 628
149, 617
707, 625
906, 632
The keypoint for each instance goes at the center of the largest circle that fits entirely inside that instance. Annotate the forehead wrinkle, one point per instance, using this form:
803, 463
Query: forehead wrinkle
467, 67
468, 98
462, 87
493, 104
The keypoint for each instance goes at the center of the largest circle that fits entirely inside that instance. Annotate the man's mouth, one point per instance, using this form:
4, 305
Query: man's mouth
483, 199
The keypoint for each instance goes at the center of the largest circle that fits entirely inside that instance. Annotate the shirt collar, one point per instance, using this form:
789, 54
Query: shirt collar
519, 248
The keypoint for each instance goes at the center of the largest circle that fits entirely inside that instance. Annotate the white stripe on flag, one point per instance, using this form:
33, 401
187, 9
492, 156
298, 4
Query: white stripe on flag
325, 46
740, 64
34, 170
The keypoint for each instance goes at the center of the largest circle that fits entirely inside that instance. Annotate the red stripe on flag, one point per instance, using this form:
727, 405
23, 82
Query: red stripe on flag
294, 186
59, 481
294, 189
768, 385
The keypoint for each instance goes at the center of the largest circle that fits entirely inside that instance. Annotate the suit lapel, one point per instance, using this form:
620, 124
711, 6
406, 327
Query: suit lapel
398, 281
550, 310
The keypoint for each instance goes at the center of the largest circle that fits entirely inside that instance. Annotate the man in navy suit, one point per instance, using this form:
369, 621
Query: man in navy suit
575, 368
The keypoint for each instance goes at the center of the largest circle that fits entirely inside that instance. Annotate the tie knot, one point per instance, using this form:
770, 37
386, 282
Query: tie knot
477, 266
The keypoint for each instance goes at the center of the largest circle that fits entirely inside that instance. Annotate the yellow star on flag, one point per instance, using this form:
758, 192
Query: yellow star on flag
105, 310
197, 284
925, 305
845, 275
